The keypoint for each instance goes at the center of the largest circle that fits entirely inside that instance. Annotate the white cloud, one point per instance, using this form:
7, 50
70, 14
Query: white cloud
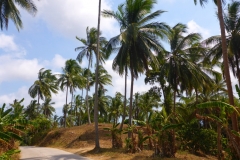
71, 17
193, 27
60, 99
58, 61
22, 92
7, 43
14, 67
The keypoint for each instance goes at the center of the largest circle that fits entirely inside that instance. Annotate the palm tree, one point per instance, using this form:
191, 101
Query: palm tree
103, 77
232, 25
97, 144
17, 107
9, 10
78, 108
89, 50
45, 84
103, 102
180, 71
115, 108
70, 79
225, 59
32, 110
178, 68
138, 38
47, 107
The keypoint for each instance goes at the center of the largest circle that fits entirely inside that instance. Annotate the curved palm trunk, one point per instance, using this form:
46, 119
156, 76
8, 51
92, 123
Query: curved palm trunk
226, 66
125, 100
130, 106
97, 144
86, 100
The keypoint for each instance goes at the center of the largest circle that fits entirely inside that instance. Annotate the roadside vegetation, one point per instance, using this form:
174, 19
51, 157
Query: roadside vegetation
190, 107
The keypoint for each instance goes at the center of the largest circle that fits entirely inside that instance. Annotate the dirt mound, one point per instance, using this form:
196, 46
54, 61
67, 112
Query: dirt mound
75, 137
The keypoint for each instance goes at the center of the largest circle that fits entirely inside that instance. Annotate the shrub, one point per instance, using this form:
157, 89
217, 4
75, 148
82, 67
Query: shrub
195, 139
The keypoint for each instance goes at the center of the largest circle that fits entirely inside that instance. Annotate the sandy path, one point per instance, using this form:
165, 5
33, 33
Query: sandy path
44, 153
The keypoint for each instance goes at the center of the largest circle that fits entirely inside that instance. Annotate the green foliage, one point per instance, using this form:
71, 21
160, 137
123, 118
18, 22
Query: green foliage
7, 155
195, 139
116, 136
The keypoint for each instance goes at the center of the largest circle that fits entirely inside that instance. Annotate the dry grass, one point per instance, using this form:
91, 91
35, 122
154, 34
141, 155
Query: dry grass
80, 140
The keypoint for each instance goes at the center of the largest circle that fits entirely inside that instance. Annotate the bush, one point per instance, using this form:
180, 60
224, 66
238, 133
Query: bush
195, 139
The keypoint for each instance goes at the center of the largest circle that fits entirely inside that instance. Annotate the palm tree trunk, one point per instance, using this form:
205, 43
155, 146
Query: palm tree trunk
130, 106
97, 144
173, 131
38, 98
226, 66
89, 118
219, 144
125, 100
71, 101
65, 114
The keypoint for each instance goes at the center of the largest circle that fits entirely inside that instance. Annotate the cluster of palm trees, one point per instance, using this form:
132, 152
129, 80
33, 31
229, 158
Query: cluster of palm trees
187, 69
73, 77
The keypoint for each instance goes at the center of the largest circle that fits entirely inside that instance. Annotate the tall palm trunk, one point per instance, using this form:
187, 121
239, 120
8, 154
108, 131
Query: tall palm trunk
97, 145
71, 102
125, 100
226, 66
65, 113
38, 97
130, 106
89, 118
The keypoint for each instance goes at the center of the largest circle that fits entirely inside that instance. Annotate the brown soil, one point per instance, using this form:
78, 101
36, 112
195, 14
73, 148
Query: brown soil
80, 140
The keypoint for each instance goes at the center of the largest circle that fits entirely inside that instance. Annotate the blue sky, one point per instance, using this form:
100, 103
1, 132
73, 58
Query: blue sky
48, 40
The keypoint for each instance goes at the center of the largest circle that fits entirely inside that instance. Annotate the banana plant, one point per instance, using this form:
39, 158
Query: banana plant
220, 117
116, 136
10, 129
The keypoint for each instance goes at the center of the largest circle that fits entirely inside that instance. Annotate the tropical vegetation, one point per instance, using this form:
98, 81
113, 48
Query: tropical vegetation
188, 106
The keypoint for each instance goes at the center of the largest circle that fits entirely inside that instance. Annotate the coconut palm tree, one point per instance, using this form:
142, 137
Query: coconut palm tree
44, 86
9, 10
103, 77
70, 79
225, 58
17, 107
232, 25
178, 68
138, 38
32, 110
47, 107
89, 50
78, 108
180, 71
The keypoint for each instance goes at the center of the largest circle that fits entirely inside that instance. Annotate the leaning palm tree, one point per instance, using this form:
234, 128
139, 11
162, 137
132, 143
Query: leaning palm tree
70, 79
9, 10
44, 86
89, 50
47, 108
138, 38
225, 58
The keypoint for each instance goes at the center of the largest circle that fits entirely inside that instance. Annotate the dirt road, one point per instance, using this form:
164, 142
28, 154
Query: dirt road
44, 153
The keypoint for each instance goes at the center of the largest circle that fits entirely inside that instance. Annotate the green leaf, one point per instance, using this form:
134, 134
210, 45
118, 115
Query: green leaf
171, 126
